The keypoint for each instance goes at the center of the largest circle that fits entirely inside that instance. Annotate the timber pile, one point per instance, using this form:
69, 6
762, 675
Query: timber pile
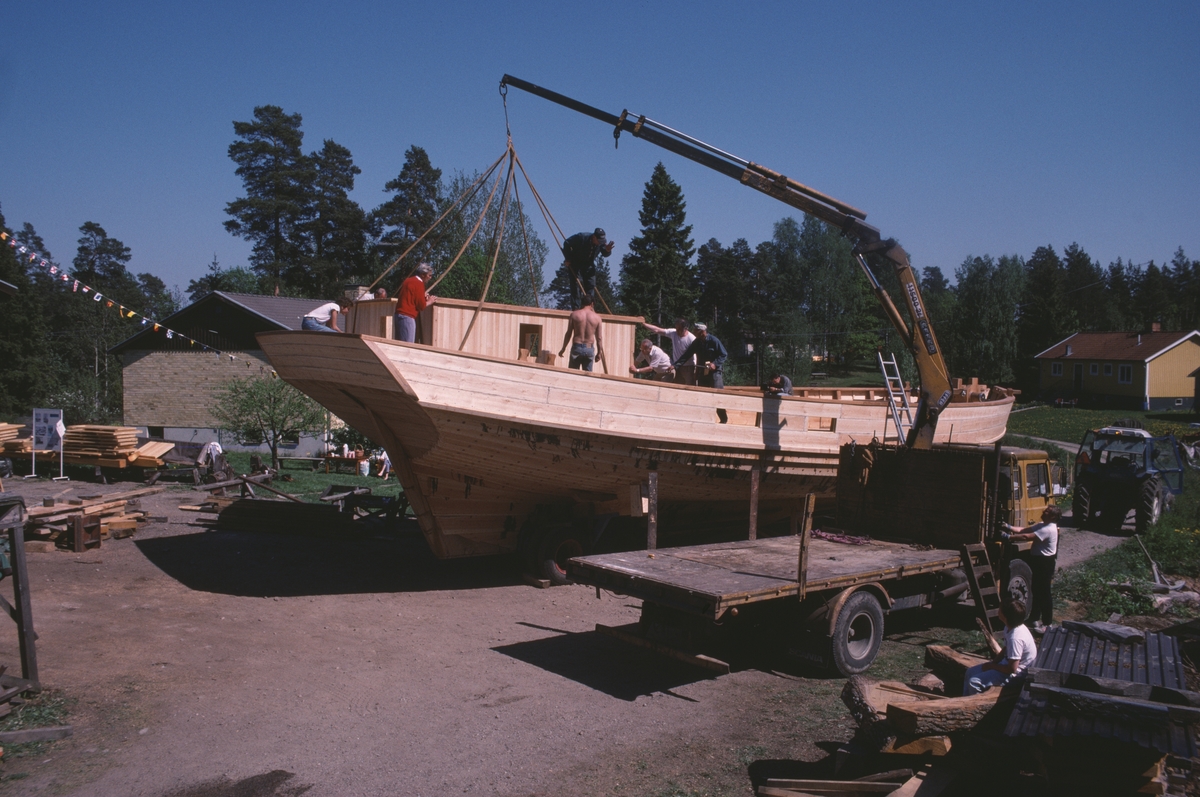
1057, 730
150, 455
9, 431
22, 445
100, 443
52, 526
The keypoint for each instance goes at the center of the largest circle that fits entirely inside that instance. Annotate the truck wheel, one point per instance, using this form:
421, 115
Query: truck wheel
1149, 508
1018, 584
1081, 507
558, 545
857, 634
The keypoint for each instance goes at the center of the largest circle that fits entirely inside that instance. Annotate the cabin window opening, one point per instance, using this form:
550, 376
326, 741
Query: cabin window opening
816, 424
1094, 369
1125, 375
1108, 369
1055, 369
1036, 481
1178, 402
156, 432
530, 336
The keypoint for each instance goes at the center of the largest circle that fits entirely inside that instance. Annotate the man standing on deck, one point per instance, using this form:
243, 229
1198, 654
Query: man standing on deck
680, 339
710, 358
580, 252
411, 300
586, 328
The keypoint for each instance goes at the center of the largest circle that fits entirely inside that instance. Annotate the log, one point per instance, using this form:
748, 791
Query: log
950, 665
951, 714
1116, 708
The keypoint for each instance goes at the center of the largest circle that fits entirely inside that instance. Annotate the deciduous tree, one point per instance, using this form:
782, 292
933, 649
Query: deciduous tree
266, 409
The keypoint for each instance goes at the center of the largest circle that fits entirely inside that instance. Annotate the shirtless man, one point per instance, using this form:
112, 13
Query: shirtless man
586, 327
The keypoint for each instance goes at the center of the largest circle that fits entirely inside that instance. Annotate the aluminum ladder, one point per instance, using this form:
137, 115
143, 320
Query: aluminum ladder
897, 397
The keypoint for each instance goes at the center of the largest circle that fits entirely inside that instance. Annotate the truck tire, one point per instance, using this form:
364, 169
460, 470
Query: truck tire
1018, 584
857, 634
1081, 507
1149, 508
558, 545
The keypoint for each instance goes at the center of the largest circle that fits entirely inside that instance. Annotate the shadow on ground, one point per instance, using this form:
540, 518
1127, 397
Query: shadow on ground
280, 565
605, 664
270, 784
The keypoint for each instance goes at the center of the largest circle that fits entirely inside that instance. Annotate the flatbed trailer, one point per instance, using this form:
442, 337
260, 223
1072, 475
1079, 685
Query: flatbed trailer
709, 580
927, 513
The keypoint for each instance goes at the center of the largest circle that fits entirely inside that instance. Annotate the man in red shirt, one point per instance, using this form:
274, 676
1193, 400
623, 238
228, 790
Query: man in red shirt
412, 299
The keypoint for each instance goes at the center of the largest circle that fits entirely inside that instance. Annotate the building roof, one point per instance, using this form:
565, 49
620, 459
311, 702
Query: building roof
207, 321
1128, 346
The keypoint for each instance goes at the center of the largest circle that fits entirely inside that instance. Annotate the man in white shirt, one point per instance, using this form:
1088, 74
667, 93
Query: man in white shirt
680, 339
657, 363
1020, 652
324, 318
1042, 560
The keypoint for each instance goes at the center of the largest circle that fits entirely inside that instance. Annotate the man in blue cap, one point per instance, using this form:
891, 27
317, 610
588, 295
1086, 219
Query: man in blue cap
580, 251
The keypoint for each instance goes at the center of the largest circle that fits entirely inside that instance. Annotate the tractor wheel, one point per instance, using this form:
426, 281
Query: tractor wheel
857, 634
1018, 584
558, 545
1081, 507
1149, 508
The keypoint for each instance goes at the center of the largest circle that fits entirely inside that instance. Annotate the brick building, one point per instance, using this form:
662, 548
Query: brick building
170, 384
1127, 370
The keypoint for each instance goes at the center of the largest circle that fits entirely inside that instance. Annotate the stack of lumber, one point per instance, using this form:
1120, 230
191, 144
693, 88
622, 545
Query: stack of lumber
23, 445
51, 526
9, 431
150, 455
108, 446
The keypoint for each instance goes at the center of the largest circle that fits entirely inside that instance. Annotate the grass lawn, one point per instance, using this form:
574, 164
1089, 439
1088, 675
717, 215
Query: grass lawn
1070, 424
1174, 542
307, 485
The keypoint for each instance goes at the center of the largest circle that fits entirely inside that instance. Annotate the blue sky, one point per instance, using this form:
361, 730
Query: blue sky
961, 128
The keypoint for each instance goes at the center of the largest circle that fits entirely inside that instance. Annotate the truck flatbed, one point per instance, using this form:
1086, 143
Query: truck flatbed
710, 579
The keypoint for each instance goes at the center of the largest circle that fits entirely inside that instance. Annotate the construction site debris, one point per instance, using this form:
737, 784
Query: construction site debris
84, 522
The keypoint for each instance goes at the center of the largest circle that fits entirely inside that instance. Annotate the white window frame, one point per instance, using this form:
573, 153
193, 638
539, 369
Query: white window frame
1093, 369
1108, 369
1056, 369
1124, 374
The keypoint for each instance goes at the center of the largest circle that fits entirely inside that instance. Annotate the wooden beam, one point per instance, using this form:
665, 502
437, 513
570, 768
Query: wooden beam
652, 513
803, 527
699, 660
755, 476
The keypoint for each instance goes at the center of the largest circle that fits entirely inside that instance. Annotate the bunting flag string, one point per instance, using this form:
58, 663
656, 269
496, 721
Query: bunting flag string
61, 275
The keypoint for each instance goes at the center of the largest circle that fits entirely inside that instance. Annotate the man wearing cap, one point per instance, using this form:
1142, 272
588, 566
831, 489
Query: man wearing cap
580, 252
710, 358
411, 300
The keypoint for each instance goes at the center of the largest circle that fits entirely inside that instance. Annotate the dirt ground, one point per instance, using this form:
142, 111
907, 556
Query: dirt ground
203, 663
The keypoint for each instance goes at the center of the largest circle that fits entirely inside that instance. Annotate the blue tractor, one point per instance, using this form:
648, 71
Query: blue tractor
1121, 468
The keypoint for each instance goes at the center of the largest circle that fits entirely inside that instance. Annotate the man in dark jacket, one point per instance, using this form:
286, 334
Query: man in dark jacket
580, 252
710, 358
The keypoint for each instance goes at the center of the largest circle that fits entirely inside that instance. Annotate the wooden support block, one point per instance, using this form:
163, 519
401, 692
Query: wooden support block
40, 546
919, 745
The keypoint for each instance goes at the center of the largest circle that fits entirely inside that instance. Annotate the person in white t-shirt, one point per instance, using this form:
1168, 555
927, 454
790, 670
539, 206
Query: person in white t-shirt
324, 318
1042, 560
1020, 652
680, 340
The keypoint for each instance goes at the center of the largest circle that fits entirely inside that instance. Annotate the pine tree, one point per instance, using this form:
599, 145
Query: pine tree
416, 205
278, 179
984, 328
657, 279
336, 226
1045, 318
25, 345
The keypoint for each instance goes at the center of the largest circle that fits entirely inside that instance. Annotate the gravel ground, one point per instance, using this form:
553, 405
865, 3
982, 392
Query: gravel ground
205, 663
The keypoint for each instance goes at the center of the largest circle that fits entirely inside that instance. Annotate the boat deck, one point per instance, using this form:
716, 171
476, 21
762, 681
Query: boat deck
709, 579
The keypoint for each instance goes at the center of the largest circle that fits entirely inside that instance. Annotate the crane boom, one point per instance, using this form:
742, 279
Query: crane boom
935, 392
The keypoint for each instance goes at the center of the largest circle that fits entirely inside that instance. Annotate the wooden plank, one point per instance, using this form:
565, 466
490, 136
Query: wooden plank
817, 786
698, 660
36, 735
927, 783
755, 475
803, 531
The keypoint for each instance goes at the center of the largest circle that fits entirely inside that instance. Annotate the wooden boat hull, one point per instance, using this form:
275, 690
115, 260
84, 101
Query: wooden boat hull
478, 442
